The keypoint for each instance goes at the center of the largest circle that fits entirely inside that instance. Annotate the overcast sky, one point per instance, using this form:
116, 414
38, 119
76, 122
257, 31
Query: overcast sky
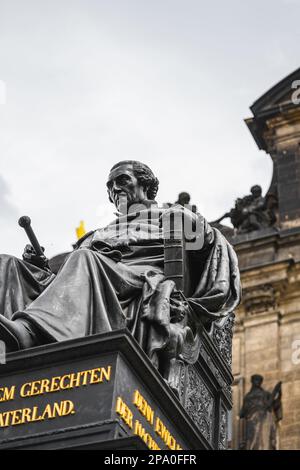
167, 82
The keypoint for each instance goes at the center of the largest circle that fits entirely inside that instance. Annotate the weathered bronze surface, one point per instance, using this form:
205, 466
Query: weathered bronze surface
252, 212
261, 411
115, 278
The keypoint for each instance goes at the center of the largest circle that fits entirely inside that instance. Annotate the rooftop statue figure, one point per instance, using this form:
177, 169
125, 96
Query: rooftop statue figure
252, 212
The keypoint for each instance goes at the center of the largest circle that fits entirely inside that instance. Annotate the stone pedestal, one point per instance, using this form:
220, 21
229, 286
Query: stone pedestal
102, 392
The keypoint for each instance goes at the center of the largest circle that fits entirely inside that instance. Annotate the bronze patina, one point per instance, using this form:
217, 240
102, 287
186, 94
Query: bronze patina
115, 279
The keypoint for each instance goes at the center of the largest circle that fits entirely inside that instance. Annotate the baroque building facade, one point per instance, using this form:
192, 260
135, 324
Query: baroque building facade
266, 339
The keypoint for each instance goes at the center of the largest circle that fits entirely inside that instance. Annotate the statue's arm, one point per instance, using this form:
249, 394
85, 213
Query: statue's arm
276, 401
277, 391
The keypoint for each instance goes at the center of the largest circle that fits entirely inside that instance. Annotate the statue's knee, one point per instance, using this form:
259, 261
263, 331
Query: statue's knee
9, 264
8, 260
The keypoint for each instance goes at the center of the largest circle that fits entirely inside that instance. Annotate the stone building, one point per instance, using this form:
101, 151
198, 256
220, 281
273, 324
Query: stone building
267, 331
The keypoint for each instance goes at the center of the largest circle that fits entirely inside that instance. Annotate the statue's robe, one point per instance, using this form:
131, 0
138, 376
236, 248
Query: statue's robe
105, 285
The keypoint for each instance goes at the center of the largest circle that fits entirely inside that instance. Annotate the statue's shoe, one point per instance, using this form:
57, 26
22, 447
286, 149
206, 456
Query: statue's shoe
15, 335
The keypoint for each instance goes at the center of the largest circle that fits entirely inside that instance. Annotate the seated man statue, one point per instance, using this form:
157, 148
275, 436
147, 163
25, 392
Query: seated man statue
115, 279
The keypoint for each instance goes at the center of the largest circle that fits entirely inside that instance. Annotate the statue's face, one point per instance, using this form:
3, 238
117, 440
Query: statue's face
257, 380
184, 198
256, 191
123, 188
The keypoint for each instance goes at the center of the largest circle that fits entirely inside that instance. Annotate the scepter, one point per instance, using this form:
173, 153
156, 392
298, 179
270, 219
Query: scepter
25, 223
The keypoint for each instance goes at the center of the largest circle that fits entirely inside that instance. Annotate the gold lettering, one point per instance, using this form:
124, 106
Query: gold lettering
23, 392
40, 387
58, 409
119, 405
158, 426
62, 382
35, 390
136, 397
85, 376
95, 379
34, 416
16, 417
154, 445
75, 380
137, 428
165, 435
48, 413
44, 386
143, 406
171, 443
55, 384
106, 373
26, 415
125, 413
7, 394
67, 408
145, 436
4, 419
147, 439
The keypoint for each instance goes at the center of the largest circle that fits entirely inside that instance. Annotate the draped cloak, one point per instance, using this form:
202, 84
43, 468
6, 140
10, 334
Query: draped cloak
114, 279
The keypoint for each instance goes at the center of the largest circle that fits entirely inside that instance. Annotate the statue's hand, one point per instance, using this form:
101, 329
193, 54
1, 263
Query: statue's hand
178, 309
31, 257
122, 244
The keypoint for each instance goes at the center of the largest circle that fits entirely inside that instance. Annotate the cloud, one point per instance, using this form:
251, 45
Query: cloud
90, 83
8, 210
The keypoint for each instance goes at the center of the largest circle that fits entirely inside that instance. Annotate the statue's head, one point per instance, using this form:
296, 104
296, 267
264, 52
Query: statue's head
257, 380
256, 190
131, 182
183, 198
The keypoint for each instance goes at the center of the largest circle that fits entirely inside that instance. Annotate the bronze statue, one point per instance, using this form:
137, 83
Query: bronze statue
184, 200
252, 212
262, 411
114, 279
